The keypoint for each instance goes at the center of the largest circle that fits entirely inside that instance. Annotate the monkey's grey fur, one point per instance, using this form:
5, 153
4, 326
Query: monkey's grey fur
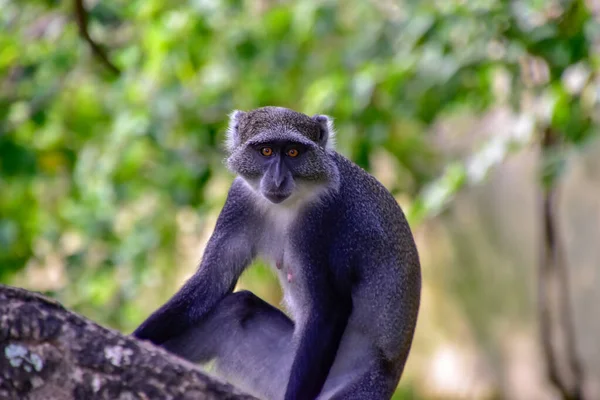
345, 257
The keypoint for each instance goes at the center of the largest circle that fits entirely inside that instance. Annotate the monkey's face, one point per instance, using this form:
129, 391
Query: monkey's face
280, 153
280, 169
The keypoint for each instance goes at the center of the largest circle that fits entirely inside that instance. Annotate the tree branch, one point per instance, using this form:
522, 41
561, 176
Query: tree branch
48, 352
81, 17
556, 326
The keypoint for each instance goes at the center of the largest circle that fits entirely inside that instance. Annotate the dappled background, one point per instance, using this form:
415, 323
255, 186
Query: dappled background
480, 116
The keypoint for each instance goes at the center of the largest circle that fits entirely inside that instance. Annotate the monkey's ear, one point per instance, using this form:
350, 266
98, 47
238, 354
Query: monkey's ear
233, 136
327, 135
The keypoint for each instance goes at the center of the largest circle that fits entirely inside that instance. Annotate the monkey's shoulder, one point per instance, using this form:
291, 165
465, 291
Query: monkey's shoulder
366, 198
360, 183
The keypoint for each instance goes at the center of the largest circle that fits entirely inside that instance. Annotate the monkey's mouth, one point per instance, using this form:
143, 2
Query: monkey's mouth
275, 197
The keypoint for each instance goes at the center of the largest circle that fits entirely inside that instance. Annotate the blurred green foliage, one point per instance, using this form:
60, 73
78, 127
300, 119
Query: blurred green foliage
98, 170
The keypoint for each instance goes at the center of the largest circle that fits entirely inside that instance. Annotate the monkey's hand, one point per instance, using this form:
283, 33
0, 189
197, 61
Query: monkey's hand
184, 310
164, 324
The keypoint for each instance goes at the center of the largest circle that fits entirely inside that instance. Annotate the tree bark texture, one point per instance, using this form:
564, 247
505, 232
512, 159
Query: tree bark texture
48, 352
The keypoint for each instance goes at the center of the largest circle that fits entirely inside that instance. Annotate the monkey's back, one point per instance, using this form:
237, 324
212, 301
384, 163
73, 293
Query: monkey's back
387, 277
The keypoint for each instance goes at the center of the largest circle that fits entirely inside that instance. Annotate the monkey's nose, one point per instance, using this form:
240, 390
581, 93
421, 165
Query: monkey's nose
279, 181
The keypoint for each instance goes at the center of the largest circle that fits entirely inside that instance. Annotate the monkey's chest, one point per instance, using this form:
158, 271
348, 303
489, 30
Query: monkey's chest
283, 259
277, 248
293, 283
283, 267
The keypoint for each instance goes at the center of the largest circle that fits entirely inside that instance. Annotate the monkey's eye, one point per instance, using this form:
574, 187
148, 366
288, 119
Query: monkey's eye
292, 153
266, 151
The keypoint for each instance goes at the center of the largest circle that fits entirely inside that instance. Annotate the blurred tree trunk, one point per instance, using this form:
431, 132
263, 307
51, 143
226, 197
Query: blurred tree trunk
48, 352
554, 301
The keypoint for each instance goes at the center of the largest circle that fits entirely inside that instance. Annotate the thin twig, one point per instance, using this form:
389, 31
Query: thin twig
81, 16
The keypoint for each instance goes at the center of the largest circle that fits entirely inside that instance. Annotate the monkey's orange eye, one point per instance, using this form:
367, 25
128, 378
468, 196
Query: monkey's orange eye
292, 153
266, 151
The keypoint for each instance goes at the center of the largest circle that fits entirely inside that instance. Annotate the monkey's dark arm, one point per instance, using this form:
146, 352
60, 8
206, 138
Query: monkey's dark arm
319, 341
187, 307
227, 254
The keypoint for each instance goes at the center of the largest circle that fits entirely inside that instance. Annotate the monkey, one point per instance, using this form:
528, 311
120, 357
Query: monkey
344, 254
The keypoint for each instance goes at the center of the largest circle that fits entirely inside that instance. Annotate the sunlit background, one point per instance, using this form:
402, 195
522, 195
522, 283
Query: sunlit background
480, 116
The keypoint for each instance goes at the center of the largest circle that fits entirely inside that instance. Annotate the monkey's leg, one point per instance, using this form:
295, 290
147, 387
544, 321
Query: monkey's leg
376, 381
360, 371
249, 340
